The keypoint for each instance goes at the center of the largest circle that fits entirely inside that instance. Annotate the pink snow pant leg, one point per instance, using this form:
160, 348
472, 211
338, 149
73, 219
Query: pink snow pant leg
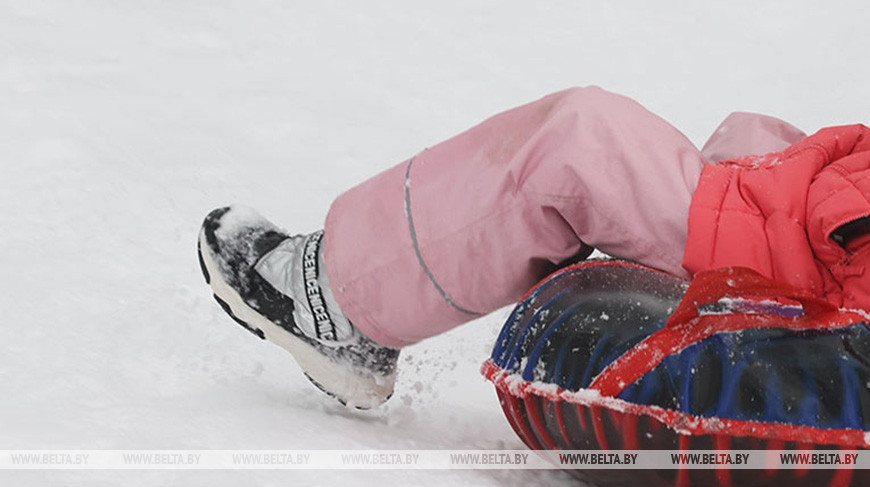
742, 134
471, 224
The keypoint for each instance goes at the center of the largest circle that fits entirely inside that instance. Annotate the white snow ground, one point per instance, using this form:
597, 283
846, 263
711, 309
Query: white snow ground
123, 123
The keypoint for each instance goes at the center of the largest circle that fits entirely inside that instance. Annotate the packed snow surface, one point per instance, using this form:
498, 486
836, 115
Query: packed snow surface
123, 123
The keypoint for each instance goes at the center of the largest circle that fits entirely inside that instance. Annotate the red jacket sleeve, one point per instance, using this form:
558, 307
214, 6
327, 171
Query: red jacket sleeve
840, 194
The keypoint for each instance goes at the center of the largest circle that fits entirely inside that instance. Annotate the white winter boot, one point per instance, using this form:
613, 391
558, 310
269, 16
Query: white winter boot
275, 286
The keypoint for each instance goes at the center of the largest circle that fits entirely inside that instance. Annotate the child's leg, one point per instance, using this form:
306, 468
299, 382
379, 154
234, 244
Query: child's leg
471, 224
742, 134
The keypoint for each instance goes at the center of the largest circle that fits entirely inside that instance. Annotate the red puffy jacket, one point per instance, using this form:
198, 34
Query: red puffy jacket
783, 214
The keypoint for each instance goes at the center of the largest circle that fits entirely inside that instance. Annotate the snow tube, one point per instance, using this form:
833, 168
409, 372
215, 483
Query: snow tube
612, 355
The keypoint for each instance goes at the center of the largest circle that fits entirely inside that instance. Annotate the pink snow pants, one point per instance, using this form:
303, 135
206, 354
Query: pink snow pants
469, 225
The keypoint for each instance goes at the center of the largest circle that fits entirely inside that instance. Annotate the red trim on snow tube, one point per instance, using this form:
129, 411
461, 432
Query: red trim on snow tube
513, 385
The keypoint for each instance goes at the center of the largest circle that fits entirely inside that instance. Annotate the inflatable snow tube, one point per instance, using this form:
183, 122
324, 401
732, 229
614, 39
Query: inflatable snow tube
609, 355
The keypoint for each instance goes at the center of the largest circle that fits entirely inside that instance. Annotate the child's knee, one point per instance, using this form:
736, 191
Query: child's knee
589, 101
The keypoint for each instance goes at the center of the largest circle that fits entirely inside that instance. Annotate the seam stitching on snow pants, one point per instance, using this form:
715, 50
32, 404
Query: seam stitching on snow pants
416, 244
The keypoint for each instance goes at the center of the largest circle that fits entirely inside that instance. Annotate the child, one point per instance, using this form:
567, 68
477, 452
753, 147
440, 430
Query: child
469, 225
